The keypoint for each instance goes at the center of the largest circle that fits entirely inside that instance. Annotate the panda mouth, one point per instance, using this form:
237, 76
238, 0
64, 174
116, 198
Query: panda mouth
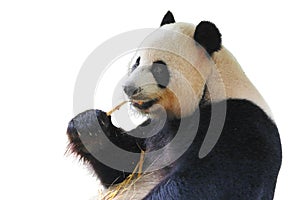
144, 105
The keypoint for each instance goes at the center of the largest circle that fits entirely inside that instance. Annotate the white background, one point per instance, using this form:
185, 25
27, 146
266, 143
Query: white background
42, 48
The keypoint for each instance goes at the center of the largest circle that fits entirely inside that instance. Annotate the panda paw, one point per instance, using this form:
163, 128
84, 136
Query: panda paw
85, 130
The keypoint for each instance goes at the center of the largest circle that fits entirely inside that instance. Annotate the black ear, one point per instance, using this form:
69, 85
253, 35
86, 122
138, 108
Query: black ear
168, 19
208, 36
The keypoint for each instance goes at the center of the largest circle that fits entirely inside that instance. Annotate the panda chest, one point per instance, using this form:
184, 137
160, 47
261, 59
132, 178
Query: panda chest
138, 188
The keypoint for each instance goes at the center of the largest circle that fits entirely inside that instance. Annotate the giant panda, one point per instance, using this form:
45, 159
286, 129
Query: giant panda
245, 157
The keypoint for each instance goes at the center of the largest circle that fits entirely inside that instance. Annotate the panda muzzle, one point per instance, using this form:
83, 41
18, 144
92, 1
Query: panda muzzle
144, 105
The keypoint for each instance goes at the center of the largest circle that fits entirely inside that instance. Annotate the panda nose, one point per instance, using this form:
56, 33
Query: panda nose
131, 90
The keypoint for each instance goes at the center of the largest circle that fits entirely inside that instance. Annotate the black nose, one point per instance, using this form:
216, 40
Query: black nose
131, 90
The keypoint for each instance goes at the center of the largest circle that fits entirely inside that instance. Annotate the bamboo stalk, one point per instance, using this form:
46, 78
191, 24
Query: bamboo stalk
116, 108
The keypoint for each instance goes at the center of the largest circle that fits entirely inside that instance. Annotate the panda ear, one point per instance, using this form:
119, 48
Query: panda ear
168, 19
208, 36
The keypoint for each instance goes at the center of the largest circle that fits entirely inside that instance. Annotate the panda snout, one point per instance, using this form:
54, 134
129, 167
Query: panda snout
131, 90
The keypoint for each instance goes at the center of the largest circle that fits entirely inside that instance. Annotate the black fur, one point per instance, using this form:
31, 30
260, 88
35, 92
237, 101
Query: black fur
168, 19
160, 73
244, 163
208, 36
85, 122
136, 64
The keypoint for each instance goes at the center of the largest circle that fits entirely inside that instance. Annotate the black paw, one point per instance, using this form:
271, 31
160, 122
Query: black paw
91, 135
86, 130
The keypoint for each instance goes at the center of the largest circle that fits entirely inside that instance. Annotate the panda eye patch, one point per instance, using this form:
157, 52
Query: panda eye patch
136, 64
160, 73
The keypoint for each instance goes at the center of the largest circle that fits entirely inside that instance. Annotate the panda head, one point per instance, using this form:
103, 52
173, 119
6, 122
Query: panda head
171, 67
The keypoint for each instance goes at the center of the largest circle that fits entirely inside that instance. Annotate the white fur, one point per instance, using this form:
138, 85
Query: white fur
237, 84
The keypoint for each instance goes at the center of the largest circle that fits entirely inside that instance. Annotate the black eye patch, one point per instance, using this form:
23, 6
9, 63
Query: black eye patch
136, 64
160, 73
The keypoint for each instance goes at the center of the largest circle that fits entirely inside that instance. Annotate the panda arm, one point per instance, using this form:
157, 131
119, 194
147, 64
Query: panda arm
85, 132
